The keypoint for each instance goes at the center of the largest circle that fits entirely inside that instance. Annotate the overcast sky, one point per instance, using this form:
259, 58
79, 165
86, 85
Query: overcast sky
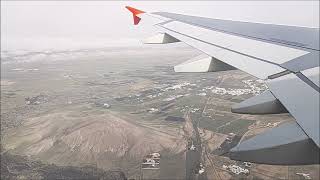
75, 24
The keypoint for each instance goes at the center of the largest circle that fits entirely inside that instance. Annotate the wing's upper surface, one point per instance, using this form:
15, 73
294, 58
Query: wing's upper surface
286, 57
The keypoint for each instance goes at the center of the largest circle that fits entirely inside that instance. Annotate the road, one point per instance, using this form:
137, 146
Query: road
193, 157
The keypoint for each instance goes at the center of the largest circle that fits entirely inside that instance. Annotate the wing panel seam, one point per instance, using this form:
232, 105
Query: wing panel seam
308, 81
241, 35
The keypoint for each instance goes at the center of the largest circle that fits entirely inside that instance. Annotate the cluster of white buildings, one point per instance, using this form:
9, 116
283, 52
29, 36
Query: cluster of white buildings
230, 137
201, 169
151, 161
269, 125
272, 124
236, 169
306, 176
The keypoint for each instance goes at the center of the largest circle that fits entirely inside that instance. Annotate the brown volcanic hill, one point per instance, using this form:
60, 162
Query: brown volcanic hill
73, 138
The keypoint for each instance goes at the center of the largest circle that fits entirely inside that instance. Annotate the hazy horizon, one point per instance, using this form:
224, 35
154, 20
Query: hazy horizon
40, 25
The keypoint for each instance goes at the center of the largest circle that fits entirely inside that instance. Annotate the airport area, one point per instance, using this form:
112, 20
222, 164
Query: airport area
123, 113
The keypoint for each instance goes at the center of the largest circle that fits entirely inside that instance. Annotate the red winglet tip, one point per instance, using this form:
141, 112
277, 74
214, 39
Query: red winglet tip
136, 20
134, 10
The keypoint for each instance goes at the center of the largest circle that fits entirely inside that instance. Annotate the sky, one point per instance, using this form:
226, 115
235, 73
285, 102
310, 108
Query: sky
39, 25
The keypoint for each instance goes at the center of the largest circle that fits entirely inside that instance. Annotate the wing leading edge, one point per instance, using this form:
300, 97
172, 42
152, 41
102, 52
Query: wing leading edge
286, 57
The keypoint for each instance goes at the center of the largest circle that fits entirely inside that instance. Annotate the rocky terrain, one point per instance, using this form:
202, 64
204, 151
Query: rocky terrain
96, 113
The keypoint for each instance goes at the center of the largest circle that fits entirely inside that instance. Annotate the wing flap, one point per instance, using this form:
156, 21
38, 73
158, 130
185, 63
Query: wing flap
301, 100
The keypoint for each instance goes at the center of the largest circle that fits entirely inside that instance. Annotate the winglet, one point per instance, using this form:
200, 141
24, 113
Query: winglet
135, 12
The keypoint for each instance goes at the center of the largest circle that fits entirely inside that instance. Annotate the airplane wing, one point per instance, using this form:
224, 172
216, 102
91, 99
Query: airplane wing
286, 57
